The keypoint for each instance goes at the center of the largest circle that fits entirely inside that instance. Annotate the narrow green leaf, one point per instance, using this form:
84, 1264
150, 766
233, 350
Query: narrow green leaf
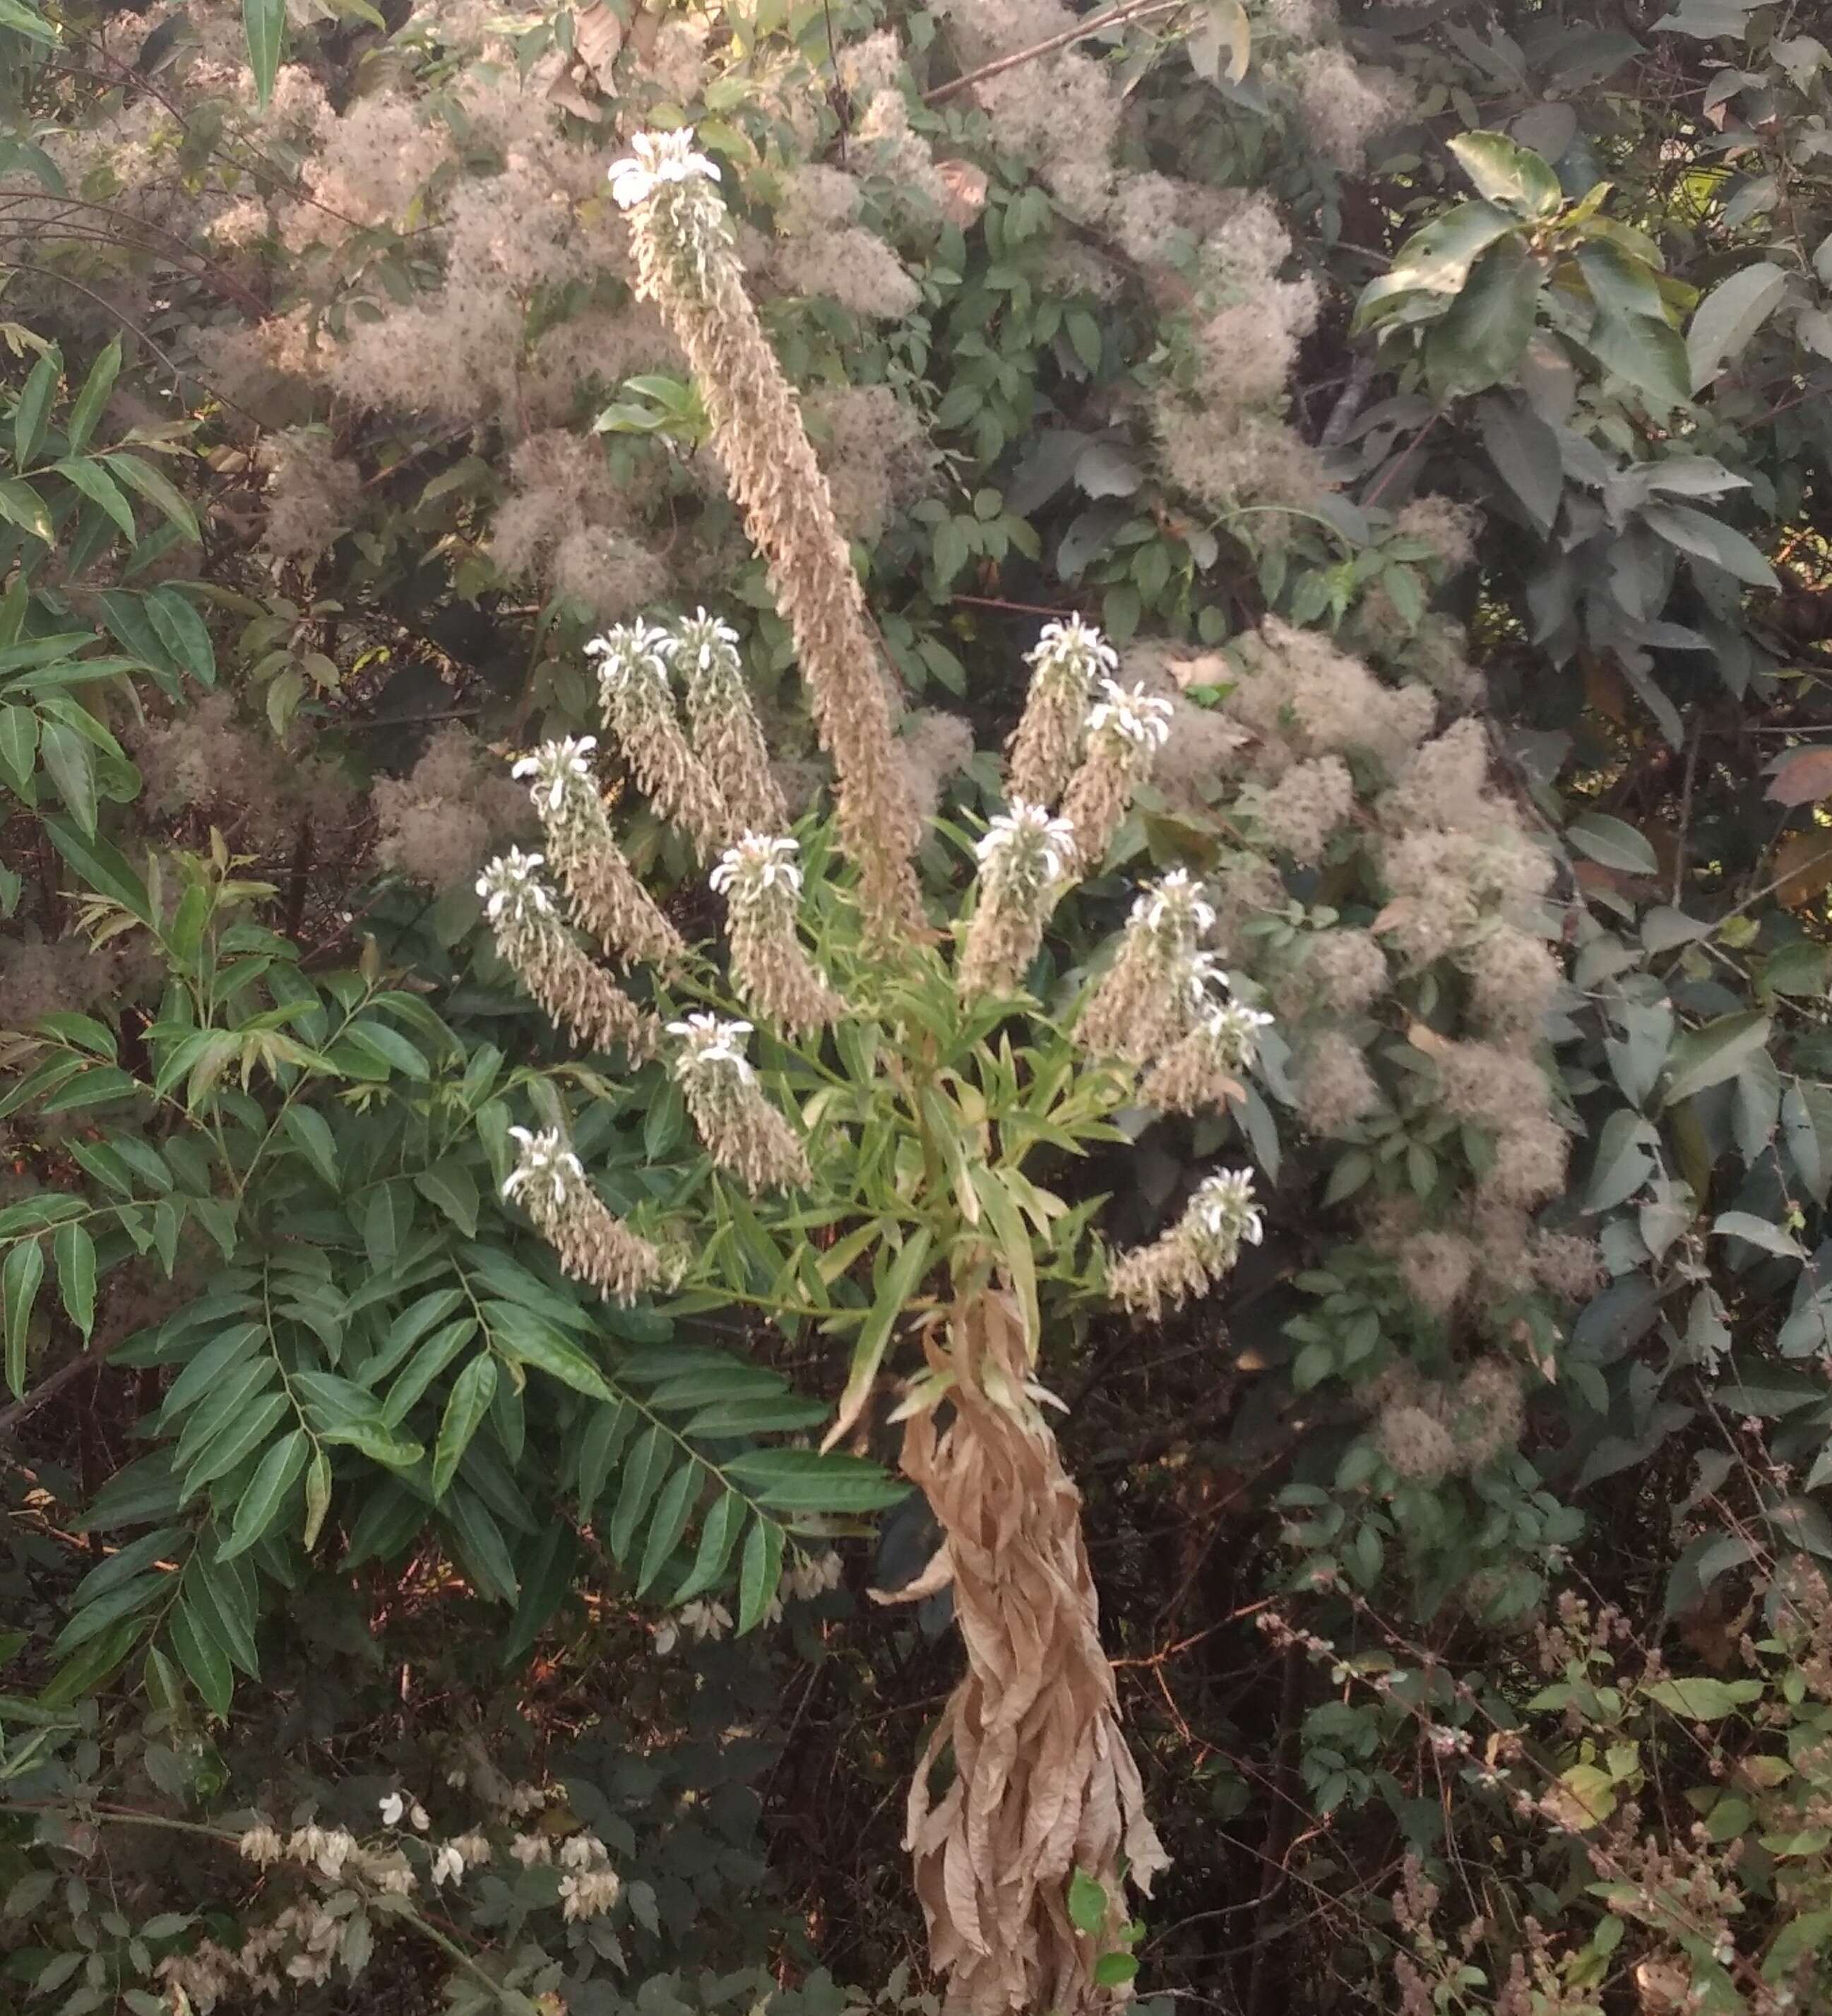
95, 484
69, 758
181, 630
645, 1468
1013, 1247
318, 1499
30, 416
89, 403
102, 865
472, 1392
205, 1662
264, 22
20, 505
481, 1546
900, 1279
429, 1361
310, 1132
74, 1251
717, 1537
19, 748
672, 1512
265, 1499
239, 1441
533, 1343
606, 1433
791, 1480
156, 487
759, 1572
19, 1276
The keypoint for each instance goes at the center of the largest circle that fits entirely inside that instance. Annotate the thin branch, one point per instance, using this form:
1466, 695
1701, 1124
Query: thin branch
1115, 17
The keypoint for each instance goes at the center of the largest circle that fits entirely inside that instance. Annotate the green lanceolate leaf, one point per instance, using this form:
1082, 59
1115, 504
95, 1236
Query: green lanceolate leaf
264, 1500
21, 1274
472, 1392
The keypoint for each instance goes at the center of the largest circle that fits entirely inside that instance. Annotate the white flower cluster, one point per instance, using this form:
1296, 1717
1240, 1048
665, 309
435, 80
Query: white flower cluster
1073, 648
1024, 847
700, 1620
546, 1171
1223, 1214
655, 160
759, 865
811, 1575
1175, 908
1141, 718
1233, 1029
559, 769
711, 1047
700, 640
514, 893
631, 652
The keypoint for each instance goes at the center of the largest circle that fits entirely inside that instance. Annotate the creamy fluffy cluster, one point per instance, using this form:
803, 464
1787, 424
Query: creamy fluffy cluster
1198, 1251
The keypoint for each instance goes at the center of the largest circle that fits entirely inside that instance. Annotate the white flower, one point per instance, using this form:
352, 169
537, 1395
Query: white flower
417, 1814
392, 1806
628, 649
1224, 1208
699, 637
707, 1040
555, 766
548, 1169
1234, 1028
1137, 717
1074, 645
706, 1618
1177, 901
654, 158
1202, 971
757, 863
1025, 841
511, 888
447, 1866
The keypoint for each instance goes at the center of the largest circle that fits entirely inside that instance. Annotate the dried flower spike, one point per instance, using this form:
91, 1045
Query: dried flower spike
1160, 983
1023, 857
761, 880
738, 1127
592, 1245
1067, 659
687, 264
1125, 732
1200, 1248
606, 898
723, 723
1202, 1069
533, 941
638, 707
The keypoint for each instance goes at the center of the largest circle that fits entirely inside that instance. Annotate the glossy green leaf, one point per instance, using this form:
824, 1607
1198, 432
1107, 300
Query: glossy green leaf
21, 1274
264, 1500
472, 1392
74, 1252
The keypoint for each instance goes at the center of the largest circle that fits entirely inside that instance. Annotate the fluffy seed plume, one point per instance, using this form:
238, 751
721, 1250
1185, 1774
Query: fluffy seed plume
531, 939
723, 723
606, 898
738, 1127
591, 1243
1023, 859
761, 880
638, 707
1067, 659
687, 265
1125, 732
1196, 1252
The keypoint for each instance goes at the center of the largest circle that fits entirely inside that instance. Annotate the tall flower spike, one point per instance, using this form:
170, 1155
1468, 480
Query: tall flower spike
761, 881
1202, 1069
1125, 732
592, 1243
1023, 859
1196, 1252
1068, 658
532, 939
1152, 994
606, 898
738, 1127
723, 723
685, 263
638, 707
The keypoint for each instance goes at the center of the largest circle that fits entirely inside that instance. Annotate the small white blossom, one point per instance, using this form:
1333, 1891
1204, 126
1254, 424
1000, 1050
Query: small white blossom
556, 768
1073, 644
261, 1846
1026, 842
547, 1168
392, 1806
706, 1618
1137, 717
417, 1815
1176, 901
698, 638
708, 1042
655, 159
512, 890
1225, 1207
629, 649
447, 1866
757, 863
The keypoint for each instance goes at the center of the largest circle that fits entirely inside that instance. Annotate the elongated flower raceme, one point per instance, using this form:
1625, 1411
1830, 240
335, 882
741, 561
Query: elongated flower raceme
1066, 660
533, 940
738, 1127
1157, 986
638, 706
1198, 1251
591, 1243
761, 880
687, 264
1202, 1069
1125, 732
606, 898
1023, 859
722, 722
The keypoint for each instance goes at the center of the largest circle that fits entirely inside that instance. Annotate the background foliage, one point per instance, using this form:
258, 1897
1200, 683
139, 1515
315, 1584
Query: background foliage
333, 434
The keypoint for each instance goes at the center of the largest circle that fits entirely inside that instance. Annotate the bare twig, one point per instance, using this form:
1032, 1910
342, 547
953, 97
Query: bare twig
1115, 17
